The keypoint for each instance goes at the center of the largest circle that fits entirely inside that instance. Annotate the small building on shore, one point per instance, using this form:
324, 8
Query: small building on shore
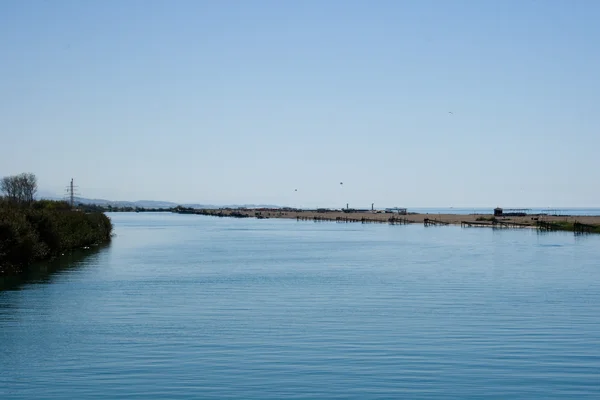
396, 210
511, 212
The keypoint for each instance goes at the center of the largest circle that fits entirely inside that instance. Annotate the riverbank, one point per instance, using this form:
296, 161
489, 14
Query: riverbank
43, 230
589, 224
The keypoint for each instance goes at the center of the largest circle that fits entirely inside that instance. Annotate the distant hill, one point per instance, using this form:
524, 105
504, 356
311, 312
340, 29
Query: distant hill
155, 204
104, 202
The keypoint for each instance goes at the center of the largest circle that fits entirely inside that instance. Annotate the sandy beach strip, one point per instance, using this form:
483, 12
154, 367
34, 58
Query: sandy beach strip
382, 217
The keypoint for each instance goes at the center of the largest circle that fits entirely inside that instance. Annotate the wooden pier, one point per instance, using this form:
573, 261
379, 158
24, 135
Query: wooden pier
434, 222
399, 221
509, 224
576, 227
494, 224
344, 219
548, 226
583, 228
471, 224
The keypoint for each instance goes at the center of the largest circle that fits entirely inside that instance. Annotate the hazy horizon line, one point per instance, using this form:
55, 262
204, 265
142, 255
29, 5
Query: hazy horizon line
221, 204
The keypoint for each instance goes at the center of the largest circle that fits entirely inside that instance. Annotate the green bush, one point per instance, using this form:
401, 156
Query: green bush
46, 229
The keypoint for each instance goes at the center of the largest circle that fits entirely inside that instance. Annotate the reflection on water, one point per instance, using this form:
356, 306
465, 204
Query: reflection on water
42, 272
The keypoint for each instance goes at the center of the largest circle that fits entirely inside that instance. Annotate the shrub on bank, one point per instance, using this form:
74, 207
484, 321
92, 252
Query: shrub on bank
45, 229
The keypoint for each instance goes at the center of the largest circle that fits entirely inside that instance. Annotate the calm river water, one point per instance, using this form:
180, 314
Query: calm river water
182, 306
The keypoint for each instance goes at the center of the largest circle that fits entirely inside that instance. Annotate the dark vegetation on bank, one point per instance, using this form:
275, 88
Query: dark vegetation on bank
214, 213
568, 226
38, 230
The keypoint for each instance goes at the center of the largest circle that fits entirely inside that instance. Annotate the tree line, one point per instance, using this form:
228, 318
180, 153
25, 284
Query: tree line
33, 230
20, 189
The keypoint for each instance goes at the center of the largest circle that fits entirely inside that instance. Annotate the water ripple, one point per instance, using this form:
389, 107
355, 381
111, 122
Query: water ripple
194, 307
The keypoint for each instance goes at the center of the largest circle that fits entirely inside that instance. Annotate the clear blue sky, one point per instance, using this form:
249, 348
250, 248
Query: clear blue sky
245, 101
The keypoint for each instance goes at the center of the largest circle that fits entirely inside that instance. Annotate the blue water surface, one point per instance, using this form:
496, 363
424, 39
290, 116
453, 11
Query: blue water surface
185, 306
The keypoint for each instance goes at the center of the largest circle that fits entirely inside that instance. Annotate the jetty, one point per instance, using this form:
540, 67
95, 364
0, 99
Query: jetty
470, 224
346, 219
434, 222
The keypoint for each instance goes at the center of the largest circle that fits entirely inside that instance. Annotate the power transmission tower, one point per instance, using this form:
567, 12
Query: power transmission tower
71, 192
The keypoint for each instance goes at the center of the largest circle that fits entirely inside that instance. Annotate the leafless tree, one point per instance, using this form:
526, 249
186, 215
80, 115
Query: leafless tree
29, 187
8, 187
20, 188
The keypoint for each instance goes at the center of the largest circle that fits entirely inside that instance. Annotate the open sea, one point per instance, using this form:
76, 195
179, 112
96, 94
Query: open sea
194, 307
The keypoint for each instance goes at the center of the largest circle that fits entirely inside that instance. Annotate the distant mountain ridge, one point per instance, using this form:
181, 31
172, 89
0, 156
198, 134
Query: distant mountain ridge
155, 203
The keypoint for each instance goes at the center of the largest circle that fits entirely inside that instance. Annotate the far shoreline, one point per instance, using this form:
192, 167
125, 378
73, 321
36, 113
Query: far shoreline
572, 223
